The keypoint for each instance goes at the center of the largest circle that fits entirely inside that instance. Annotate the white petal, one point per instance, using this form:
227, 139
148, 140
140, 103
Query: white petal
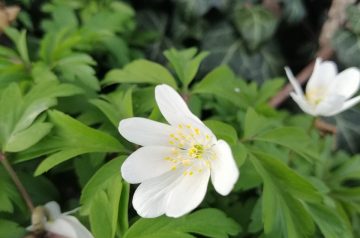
61, 227
175, 110
330, 105
294, 82
146, 163
224, 171
81, 231
172, 106
303, 104
150, 198
53, 210
347, 82
188, 193
323, 76
145, 132
346, 105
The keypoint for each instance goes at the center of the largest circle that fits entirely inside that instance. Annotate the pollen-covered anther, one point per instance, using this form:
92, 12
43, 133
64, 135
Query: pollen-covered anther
196, 151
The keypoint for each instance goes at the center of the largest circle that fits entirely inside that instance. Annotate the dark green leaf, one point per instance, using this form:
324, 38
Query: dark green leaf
255, 24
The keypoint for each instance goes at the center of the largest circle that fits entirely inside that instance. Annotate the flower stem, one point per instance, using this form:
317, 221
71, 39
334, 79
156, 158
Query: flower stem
17, 182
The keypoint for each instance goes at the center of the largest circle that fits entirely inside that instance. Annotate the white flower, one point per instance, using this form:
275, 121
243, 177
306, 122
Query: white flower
54, 222
176, 161
327, 92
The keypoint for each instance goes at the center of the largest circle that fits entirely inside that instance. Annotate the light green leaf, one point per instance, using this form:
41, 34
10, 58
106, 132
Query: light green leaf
150, 72
222, 131
206, 222
100, 217
78, 68
293, 138
185, 63
105, 193
230, 87
10, 109
19, 38
256, 124
116, 106
99, 181
73, 138
26, 138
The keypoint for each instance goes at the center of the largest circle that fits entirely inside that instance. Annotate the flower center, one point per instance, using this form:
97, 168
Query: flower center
192, 149
196, 151
315, 96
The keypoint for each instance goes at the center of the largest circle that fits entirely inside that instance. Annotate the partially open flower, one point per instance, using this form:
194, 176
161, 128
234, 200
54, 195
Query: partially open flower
49, 219
177, 160
327, 92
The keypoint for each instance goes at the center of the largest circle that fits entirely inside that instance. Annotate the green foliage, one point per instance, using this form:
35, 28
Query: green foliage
10, 229
70, 71
151, 73
207, 222
72, 138
185, 63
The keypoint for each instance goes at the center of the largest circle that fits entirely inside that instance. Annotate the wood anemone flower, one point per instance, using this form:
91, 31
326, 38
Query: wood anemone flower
327, 93
176, 161
49, 219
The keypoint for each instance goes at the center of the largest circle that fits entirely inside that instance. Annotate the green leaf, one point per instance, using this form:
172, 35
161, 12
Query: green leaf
353, 17
19, 128
185, 63
230, 87
347, 47
222, 131
206, 222
293, 138
201, 7
283, 213
72, 138
293, 10
260, 65
116, 105
10, 108
256, 124
99, 181
150, 72
99, 216
330, 223
348, 129
350, 169
106, 194
78, 68
26, 138
19, 38
249, 177
272, 169
11, 229
255, 24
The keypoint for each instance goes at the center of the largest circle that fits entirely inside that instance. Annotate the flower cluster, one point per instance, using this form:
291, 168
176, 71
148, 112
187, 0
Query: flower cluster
177, 160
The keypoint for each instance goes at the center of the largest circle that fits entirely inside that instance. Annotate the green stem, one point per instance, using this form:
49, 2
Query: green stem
17, 182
